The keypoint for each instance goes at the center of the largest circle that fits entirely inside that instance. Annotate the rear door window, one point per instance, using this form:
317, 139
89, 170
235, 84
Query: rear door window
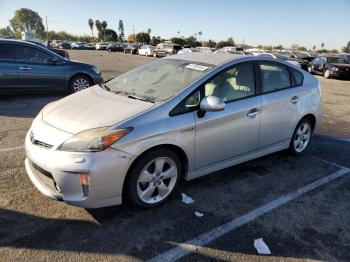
274, 76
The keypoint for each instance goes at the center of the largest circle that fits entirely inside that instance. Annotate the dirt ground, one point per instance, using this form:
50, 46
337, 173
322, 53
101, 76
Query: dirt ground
313, 226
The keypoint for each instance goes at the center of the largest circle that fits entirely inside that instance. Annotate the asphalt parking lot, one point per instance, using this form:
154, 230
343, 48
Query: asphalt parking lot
298, 205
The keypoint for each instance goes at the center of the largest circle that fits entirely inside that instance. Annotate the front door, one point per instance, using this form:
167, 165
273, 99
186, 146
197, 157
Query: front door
234, 131
37, 72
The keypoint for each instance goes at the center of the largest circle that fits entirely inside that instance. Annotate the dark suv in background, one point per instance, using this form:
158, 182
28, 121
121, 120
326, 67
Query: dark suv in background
330, 67
165, 49
29, 68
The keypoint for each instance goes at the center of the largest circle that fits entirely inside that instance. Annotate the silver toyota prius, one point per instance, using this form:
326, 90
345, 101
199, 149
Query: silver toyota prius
137, 136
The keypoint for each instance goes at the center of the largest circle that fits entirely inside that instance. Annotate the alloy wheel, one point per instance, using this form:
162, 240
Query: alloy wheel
302, 137
157, 180
80, 84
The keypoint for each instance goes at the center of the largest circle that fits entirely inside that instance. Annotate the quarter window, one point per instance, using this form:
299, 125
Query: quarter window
297, 76
274, 77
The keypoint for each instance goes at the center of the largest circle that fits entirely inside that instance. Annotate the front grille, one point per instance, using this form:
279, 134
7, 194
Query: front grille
45, 177
42, 144
42, 171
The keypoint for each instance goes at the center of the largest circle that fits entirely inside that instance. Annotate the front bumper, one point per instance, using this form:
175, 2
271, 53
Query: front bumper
57, 173
340, 74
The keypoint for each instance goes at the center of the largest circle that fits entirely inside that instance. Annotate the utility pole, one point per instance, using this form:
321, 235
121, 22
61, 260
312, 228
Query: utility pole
47, 30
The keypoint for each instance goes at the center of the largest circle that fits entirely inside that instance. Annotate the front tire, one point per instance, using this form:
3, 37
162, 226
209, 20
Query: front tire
309, 69
79, 82
154, 178
301, 137
327, 74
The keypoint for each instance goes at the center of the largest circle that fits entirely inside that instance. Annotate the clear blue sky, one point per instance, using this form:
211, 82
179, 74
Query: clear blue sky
305, 22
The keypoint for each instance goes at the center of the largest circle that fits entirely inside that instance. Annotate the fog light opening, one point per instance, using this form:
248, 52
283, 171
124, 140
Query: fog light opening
85, 183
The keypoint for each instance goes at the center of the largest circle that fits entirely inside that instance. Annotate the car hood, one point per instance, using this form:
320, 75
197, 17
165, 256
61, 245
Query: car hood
91, 108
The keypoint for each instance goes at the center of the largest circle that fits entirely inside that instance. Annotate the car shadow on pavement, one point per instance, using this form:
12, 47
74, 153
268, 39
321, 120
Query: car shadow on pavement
24, 106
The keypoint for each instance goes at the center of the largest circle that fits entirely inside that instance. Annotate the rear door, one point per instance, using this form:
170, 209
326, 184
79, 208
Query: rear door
8, 68
281, 103
37, 72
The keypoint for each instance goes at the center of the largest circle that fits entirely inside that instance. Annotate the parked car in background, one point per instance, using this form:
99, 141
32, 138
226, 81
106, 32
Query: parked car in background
114, 47
64, 45
346, 57
279, 56
178, 118
60, 52
90, 46
131, 48
30, 68
166, 49
77, 45
330, 67
101, 46
146, 50
302, 58
56, 43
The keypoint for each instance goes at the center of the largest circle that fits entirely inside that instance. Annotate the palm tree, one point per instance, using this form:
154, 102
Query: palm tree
178, 33
200, 34
149, 31
91, 24
98, 27
322, 45
104, 27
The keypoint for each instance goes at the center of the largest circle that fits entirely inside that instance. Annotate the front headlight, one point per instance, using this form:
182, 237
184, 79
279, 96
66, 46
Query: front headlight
94, 140
96, 70
335, 68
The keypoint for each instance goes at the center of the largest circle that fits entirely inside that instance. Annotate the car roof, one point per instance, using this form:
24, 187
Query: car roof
206, 58
17, 41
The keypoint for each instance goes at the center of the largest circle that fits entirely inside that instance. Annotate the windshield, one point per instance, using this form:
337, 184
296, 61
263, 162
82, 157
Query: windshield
158, 80
336, 60
301, 55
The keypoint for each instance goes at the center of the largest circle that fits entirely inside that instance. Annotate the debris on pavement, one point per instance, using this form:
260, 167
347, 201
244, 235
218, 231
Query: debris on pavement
186, 199
261, 247
198, 214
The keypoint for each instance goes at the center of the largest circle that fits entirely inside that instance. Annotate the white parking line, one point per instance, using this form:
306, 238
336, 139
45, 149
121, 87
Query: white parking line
204, 239
11, 148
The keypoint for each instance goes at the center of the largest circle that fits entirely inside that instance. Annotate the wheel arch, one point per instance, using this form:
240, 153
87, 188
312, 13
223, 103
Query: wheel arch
174, 148
312, 119
78, 74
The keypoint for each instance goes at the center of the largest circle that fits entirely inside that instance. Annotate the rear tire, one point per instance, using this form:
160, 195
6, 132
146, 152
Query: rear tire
153, 178
301, 137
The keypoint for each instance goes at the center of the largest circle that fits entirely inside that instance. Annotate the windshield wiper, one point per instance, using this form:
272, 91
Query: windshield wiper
140, 98
104, 86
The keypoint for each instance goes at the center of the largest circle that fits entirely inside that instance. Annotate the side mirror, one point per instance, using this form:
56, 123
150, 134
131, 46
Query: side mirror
212, 104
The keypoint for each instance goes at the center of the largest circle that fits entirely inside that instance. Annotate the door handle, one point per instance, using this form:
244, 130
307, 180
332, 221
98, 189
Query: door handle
25, 68
253, 112
295, 99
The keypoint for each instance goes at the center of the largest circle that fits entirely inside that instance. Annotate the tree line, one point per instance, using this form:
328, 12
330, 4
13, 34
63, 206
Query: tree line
28, 20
